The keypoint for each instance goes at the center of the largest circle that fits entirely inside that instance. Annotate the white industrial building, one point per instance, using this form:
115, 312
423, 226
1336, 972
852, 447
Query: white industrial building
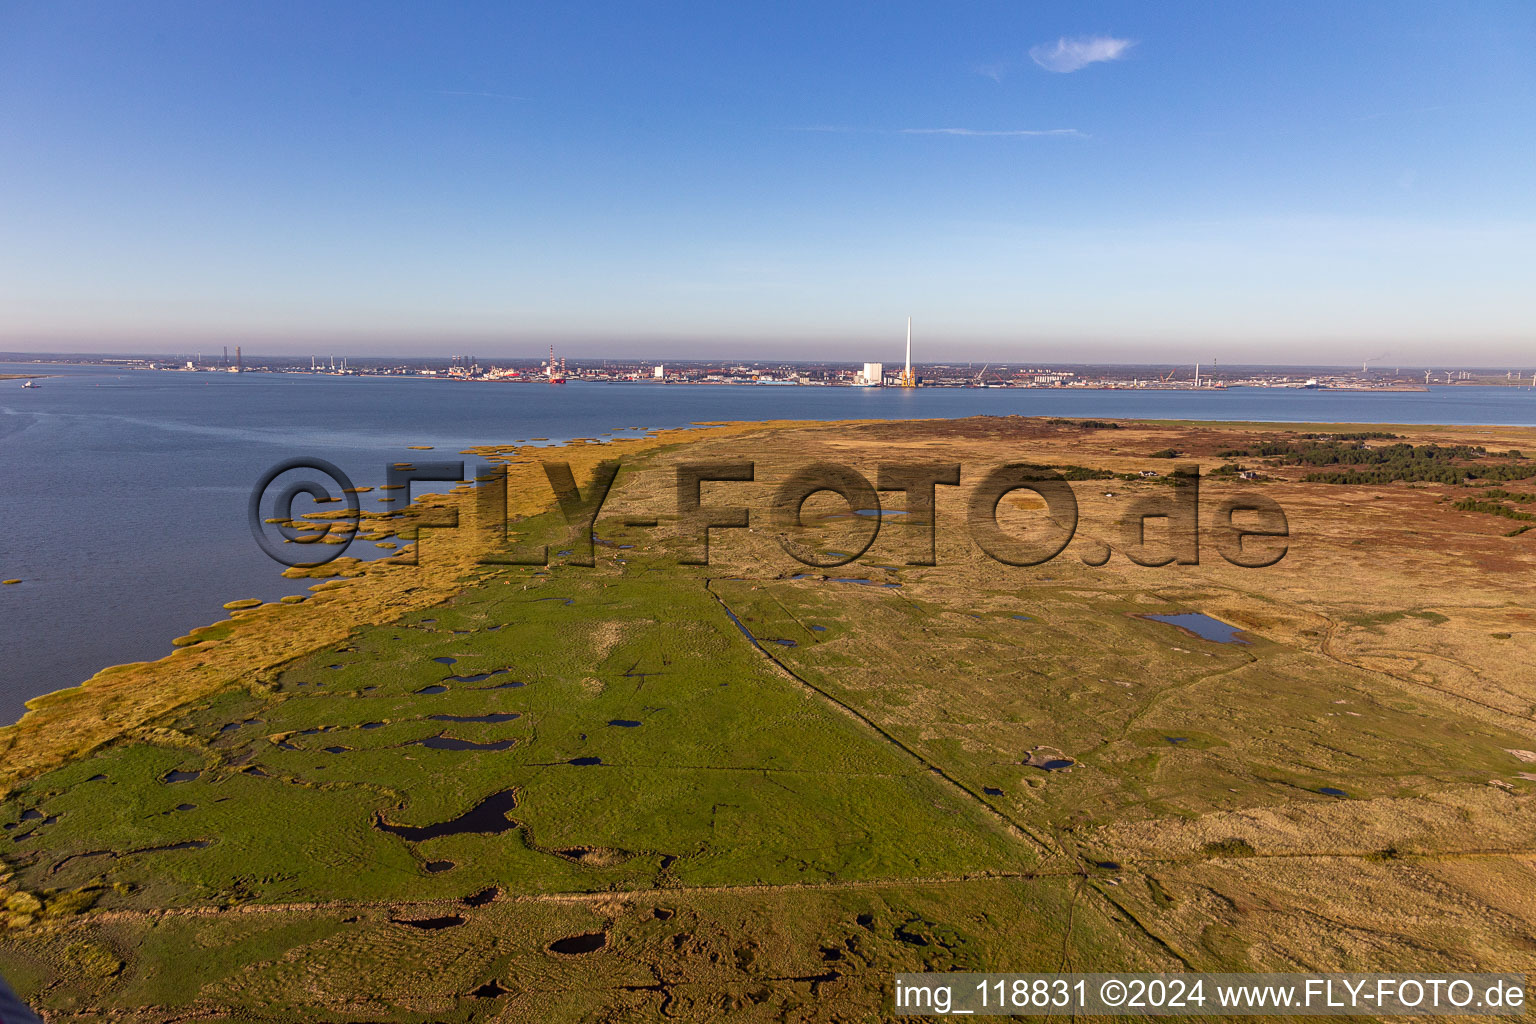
871, 376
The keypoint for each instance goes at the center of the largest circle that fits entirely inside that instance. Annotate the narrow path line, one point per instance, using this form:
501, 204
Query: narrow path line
1009, 825
598, 896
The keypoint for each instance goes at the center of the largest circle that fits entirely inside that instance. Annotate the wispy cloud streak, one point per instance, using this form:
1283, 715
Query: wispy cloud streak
973, 132
1066, 55
990, 131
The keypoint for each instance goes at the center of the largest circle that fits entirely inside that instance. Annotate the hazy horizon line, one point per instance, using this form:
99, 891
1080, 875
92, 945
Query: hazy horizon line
1215, 366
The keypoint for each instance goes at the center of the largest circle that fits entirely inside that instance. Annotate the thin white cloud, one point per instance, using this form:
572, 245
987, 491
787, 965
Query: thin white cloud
1073, 54
978, 132
994, 71
990, 131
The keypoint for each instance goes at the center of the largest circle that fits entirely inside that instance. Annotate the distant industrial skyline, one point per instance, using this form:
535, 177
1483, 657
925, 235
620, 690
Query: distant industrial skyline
1106, 182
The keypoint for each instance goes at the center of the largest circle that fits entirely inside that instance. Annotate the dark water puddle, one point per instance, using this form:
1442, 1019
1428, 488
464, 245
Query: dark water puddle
1176, 740
818, 629
454, 743
490, 990
584, 762
337, 750
563, 600
742, 626
862, 581
991, 791
433, 923
1022, 618
491, 719
783, 643
253, 770
482, 897
624, 723
372, 725
180, 776
881, 512
625, 547
97, 778
434, 688
1203, 626
31, 814
333, 666
445, 660
186, 807
1331, 791
562, 554
488, 817
502, 686
482, 677
436, 866
1048, 762
577, 944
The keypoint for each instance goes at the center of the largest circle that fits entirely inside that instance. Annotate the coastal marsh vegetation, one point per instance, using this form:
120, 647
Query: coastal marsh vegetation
753, 789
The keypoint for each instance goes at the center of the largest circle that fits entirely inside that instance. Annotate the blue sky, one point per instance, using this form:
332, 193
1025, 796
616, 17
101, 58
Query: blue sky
1029, 181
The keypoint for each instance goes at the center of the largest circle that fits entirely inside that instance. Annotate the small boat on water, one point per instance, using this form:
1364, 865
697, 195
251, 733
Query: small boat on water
30, 384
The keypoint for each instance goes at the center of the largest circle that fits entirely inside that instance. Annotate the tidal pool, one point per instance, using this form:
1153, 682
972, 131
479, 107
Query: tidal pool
577, 944
454, 743
488, 817
1203, 626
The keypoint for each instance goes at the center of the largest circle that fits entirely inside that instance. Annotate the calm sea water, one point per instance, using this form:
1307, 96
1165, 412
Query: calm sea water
123, 493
